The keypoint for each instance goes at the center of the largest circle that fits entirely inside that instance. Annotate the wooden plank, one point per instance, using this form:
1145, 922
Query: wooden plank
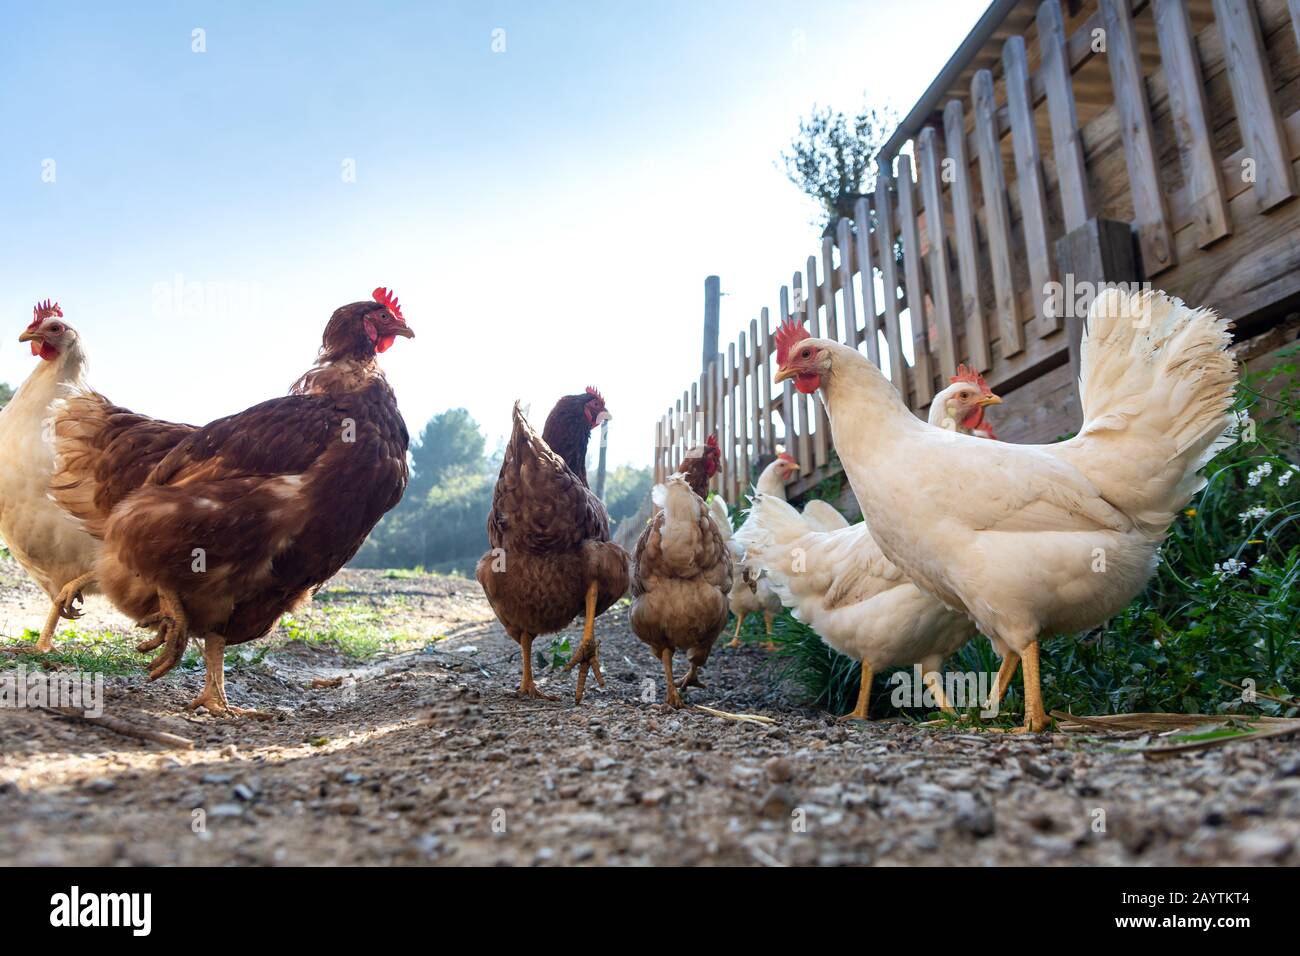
844, 239
1029, 183
754, 378
821, 447
1058, 87
867, 279
803, 441
964, 236
731, 455
927, 166
1294, 7
1150, 215
742, 416
922, 372
764, 380
1191, 122
827, 298
889, 277
997, 215
720, 425
1262, 134
695, 412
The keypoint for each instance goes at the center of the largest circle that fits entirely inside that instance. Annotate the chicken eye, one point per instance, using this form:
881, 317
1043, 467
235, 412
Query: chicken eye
807, 353
56, 329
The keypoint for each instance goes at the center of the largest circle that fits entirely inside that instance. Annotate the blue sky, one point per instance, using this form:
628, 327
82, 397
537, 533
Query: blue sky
547, 213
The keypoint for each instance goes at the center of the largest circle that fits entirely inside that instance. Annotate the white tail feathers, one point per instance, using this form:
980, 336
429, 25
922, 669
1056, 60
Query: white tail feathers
721, 516
1159, 373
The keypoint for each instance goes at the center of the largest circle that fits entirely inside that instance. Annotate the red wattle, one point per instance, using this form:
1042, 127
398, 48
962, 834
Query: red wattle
48, 351
808, 382
383, 342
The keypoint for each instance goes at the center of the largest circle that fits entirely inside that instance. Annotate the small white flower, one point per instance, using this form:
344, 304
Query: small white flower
1252, 514
1259, 473
1230, 568
1285, 477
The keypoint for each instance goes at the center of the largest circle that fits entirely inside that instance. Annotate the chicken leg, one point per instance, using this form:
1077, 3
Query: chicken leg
1035, 716
864, 695
173, 634
586, 657
674, 699
934, 681
769, 644
526, 686
735, 640
1001, 683
213, 695
71, 594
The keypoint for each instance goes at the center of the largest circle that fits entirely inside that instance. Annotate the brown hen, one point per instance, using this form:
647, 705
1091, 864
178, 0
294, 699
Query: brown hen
681, 576
242, 519
551, 558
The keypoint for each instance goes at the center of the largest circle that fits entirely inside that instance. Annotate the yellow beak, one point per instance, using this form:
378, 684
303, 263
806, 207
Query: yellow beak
783, 373
989, 400
30, 336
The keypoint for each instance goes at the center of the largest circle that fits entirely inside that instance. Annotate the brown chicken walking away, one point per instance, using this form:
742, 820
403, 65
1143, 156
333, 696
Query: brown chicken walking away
245, 517
682, 572
551, 558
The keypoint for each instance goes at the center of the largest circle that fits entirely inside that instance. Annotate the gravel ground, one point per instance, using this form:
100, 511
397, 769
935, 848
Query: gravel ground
426, 756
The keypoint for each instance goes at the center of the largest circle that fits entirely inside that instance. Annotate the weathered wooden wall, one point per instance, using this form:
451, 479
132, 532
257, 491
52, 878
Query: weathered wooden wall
1177, 118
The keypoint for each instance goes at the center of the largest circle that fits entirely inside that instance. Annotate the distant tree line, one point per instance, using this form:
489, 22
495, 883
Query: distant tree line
441, 523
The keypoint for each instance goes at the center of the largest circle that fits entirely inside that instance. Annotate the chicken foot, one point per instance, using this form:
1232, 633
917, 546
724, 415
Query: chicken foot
1035, 716
1002, 681
213, 696
864, 695
934, 681
71, 595
173, 634
674, 699
587, 656
43, 645
735, 640
526, 686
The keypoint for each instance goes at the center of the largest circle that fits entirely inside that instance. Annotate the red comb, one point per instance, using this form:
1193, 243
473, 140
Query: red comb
787, 335
591, 390
389, 301
967, 374
712, 442
42, 311
786, 456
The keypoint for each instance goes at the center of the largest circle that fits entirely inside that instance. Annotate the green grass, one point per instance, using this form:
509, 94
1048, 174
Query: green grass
104, 652
359, 632
404, 574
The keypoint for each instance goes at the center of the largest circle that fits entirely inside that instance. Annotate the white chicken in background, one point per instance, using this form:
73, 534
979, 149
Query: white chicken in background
842, 586
1036, 540
50, 546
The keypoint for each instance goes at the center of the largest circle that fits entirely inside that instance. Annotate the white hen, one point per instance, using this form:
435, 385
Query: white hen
50, 546
1036, 540
842, 586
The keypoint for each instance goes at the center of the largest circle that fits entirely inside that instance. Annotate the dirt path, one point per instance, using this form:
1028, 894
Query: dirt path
424, 755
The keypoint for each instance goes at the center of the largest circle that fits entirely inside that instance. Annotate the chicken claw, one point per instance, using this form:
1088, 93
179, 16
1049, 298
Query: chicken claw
527, 688
588, 653
173, 634
213, 697
692, 679
674, 699
735, 639
71, 595
587, 657
864, 696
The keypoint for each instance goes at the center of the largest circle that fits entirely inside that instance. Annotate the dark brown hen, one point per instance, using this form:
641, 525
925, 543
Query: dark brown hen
243, 518
551, 558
